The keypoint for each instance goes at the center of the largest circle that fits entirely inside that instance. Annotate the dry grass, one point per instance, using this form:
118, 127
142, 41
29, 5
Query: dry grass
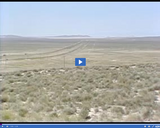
109, 93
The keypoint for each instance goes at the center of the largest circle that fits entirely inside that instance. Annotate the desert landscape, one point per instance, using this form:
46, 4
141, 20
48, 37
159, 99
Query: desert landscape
40, 82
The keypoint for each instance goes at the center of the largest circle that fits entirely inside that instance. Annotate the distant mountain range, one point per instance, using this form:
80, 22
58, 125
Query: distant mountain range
61, 36
72, 36
10, 36
145, 38
15, 37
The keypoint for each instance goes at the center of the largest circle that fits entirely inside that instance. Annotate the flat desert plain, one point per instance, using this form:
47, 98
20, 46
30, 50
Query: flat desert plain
120, 82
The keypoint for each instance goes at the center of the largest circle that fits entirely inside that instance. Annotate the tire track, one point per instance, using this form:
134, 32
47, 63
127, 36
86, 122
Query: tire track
83, 47
66, 47
77, 45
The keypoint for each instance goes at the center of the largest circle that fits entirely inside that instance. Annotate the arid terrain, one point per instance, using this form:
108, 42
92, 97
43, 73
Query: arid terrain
121, 80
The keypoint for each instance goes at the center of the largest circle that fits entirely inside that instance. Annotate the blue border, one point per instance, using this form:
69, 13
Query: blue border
81, 125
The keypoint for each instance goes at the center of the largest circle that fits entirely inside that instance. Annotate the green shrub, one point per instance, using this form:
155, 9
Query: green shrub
69, 110
4, 98
118, 110
133, 118
3, 88
146, 114
12, 98
23, 112
23, 97
84, 113
7, 115
155, 87
54, 114
18, 74
11, 81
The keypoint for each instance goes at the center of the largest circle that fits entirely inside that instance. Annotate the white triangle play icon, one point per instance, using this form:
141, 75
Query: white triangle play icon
80, 61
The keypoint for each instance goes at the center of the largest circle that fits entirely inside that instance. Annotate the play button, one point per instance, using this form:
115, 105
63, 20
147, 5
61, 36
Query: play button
80, 61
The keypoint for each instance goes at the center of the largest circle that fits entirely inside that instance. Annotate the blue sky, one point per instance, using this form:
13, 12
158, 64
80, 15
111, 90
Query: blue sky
97, 19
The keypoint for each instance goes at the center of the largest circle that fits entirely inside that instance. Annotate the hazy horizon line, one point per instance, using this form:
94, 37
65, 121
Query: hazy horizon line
76, 35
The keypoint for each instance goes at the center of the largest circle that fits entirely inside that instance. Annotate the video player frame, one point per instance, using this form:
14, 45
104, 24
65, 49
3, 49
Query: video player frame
78, 64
